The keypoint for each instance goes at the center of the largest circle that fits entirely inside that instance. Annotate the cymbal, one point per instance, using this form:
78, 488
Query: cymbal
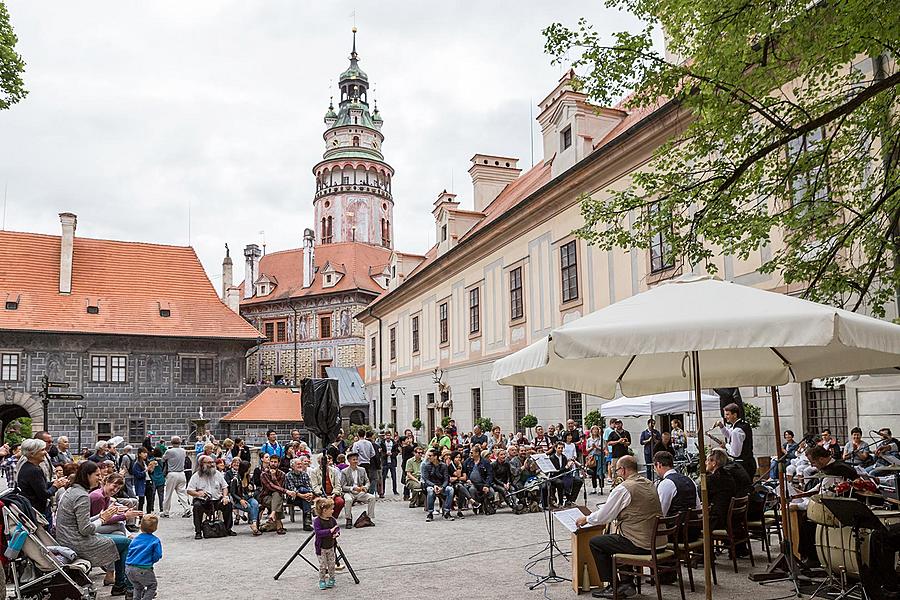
867, 494
886, 469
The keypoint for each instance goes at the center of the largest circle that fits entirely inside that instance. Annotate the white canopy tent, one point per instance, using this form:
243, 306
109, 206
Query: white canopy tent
696, 332
658, 404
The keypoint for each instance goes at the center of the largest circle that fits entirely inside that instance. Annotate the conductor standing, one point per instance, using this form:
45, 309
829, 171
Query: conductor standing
738, 439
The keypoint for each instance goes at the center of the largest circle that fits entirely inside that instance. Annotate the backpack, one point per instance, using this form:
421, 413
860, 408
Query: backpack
363, 520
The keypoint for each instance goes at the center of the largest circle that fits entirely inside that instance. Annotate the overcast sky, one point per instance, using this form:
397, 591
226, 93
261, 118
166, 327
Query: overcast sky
138, 111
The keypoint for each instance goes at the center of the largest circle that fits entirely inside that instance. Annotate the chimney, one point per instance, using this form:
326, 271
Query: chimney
490, 174
66, 249
309, 257
251, 268
227, 274
233, 298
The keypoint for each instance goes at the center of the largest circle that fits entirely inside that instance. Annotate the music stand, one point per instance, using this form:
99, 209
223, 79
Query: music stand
856, 515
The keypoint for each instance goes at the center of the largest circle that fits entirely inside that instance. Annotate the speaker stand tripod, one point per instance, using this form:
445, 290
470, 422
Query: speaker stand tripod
299, 552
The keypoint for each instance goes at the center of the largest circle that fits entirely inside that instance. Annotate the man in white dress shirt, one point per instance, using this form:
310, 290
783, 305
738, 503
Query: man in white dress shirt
634, 505
738, 439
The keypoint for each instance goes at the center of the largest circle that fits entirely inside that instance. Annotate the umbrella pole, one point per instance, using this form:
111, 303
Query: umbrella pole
704, 492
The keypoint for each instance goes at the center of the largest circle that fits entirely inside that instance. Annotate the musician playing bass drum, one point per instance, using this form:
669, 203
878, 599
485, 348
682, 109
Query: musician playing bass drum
738, 439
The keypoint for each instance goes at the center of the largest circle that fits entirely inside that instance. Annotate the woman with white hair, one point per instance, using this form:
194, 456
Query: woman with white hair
31, 481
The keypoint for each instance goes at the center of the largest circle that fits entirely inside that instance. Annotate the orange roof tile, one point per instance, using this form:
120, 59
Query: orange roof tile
272, 405
356, 260
130, 280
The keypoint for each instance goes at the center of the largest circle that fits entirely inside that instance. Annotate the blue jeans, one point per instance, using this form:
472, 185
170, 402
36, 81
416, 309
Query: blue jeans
448, 498
252, 509
122, 543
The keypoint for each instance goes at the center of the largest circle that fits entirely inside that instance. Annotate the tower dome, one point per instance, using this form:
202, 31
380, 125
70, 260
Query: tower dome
353, 201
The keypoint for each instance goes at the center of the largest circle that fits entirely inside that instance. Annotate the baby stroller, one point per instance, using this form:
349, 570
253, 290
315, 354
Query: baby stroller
36, 573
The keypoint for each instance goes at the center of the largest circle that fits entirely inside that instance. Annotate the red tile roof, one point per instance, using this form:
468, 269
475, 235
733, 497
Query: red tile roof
129, 280
357, 261
272, 405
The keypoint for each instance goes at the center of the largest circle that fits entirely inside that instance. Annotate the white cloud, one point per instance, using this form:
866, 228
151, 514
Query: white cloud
138, 110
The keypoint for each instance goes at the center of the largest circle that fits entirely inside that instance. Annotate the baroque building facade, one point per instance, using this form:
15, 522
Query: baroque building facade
502, 275
303, 300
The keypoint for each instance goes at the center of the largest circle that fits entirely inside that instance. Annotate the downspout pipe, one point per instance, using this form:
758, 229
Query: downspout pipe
380, 371
295, 333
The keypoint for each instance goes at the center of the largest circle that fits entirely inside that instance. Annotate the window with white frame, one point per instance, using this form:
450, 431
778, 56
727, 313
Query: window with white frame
9, 366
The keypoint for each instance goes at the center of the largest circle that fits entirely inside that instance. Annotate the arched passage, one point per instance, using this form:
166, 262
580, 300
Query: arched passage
17, 405
357, 417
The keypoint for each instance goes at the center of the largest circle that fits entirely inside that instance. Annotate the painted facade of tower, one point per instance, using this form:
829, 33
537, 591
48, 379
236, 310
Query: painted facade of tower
353, 201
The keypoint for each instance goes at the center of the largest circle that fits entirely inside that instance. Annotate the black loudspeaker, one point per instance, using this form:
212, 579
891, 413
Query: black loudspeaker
730, 396
321, 408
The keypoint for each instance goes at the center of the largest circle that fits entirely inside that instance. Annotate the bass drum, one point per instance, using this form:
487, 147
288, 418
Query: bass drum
836, 546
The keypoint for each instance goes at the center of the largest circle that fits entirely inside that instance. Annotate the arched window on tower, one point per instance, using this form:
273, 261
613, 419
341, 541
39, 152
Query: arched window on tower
385, 233
356, 140
329, 230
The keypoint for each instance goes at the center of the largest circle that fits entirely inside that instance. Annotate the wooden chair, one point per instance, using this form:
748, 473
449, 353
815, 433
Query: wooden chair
768, 523
659, 560
736, 531
690, 552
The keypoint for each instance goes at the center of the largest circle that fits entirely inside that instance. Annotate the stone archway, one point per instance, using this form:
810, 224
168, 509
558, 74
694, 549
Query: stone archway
17, 405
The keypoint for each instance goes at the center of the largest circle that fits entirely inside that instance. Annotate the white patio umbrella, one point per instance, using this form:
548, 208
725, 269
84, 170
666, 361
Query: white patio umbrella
697, 331
658, 404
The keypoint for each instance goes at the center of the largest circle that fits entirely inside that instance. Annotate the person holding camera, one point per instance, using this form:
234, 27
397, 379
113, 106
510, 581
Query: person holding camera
210, 493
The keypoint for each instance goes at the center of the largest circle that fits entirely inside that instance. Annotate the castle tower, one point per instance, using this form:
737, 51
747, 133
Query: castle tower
353, 200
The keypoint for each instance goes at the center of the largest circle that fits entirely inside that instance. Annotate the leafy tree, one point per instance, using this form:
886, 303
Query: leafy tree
445, 421
527, 422
485, 423
12, 88
789, 137
594, 418
417, 424
18, 430
752, 414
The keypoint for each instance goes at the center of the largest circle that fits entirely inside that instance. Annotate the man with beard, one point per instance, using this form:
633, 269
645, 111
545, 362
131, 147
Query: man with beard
210, 493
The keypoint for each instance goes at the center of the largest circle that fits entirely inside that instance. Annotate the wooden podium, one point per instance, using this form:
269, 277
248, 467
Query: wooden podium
581, 555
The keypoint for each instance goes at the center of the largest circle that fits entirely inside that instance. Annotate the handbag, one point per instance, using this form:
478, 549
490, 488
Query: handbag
213, 527
591, 462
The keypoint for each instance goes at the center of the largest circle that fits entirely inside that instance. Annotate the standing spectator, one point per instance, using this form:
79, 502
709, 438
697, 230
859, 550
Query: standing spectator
649, 438
241, 449
228, 452
144, 551
679, 440
551, 434
176, 482
571, 427
407, 450
664, 445
478, 437
156, 486
63, 456
272, 447
139, 476
619, 441
295, 436
541, 442
389, 452
210, 493
126, 461
273, 493
593, 449
10, 457
365, 452
355, 484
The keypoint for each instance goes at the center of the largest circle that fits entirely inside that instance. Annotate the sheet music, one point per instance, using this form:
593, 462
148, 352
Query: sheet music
544, 464
567, 518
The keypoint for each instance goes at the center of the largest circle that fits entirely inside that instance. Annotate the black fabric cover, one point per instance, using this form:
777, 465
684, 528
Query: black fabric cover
321, 408
728, 396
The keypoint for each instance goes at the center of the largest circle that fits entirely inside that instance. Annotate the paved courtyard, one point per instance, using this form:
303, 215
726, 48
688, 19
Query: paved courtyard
475, 557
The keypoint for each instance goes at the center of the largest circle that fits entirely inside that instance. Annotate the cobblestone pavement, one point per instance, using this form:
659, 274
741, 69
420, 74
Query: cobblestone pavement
474, 557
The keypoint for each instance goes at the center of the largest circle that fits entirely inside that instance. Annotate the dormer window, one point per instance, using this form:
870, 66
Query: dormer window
444, 232
93, 310
165, 312
565, 138
328, 279
12, 305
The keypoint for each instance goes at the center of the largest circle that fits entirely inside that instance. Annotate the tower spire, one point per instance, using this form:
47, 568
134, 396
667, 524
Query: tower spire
353, 52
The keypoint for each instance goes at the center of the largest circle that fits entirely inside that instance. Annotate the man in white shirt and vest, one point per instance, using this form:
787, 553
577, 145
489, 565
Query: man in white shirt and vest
635, 505
738, 439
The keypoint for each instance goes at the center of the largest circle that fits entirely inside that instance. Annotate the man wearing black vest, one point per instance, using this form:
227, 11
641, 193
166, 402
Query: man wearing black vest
677, 492
739, 439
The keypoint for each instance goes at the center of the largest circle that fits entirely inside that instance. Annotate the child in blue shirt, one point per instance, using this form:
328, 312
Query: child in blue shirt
145, 551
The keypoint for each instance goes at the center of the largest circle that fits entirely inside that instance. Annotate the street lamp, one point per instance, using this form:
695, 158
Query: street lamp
78, 409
